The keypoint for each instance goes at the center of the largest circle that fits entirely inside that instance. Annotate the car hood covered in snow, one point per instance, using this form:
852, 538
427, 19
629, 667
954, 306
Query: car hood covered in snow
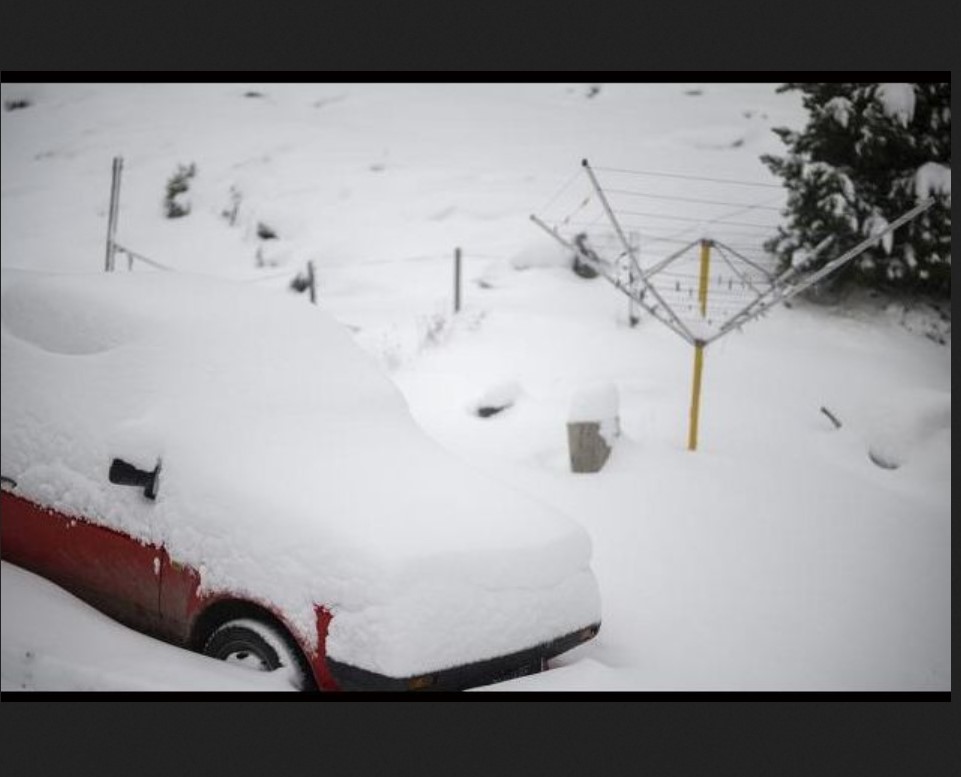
291, 470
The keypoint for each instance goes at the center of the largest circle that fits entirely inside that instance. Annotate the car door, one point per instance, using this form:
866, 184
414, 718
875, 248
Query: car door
108, 569
179, 599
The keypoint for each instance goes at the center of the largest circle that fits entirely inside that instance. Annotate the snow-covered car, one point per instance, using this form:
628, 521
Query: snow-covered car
222, 467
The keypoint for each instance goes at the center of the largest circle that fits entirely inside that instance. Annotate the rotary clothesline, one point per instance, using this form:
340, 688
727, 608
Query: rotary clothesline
751, 288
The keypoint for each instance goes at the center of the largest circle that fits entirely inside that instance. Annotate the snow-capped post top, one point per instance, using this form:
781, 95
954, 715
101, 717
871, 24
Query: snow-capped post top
592, 427
594, 403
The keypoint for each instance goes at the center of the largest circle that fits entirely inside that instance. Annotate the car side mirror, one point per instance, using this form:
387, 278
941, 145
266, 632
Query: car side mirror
124, 474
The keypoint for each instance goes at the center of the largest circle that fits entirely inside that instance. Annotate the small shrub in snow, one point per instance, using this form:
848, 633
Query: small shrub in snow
230, 212
497, 399
176, 203
265, 231
390, 349
16, 104
300, 282
277, 259
436, 329
582, 268
931, 318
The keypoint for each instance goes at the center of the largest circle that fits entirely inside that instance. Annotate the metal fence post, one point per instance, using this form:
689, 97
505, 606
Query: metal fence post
457, 280
112, 213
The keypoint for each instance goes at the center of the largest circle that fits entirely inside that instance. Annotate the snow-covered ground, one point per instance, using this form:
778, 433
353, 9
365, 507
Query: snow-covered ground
777, 556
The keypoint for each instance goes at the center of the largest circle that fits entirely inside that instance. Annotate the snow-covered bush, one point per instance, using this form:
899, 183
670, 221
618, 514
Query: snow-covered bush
176, 203
265, 231
869, 153
435, 329
230, 212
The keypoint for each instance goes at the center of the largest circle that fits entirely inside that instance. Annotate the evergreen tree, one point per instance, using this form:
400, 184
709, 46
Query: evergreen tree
869, 153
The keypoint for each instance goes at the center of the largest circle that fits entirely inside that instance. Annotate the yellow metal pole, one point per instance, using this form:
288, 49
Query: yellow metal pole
705, 265
696, 394
699, 345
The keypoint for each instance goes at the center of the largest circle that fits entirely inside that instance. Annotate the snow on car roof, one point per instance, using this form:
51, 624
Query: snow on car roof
290, 467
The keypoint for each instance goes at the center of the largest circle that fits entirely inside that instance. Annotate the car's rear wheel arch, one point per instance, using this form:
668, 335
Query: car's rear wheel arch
224, 611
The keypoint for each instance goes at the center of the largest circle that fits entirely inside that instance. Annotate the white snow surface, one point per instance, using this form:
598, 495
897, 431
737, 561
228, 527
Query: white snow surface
775, 557
598, 403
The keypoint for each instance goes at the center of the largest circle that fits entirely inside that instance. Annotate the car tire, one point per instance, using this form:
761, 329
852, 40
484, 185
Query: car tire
261, 646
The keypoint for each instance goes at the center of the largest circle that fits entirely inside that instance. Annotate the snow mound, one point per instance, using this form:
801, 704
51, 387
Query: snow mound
594, 403
598, 403
903, 423
292, 470
37, 316
497, 398
543, 254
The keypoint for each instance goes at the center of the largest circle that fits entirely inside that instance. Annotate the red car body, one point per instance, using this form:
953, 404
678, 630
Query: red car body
136, 584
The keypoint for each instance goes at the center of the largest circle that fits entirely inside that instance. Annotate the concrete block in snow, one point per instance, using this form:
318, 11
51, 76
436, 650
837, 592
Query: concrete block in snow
592, 426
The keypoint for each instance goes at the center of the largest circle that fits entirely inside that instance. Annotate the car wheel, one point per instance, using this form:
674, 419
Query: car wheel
260, 646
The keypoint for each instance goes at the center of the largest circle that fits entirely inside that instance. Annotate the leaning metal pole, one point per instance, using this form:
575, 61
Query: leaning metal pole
697, 342
678, 324
778, 293
610, 279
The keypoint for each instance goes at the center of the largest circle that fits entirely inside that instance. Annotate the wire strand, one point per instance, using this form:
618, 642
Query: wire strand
690, 177
560, 191
142, 258
689, 218
649, 195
